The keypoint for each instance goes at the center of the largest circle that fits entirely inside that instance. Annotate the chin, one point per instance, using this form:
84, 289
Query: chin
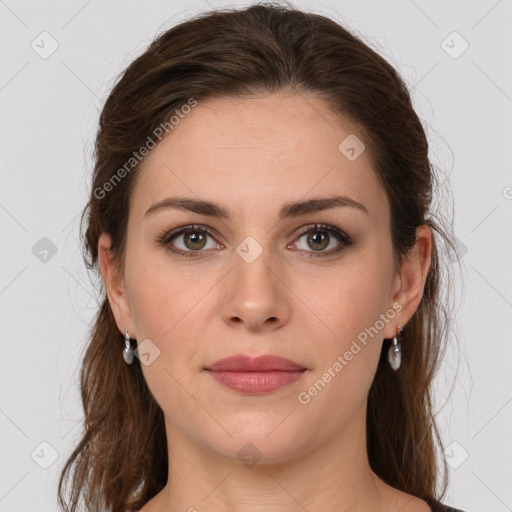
260, 441
251, 452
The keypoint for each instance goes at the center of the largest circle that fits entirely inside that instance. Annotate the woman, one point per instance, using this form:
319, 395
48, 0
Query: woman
260, 215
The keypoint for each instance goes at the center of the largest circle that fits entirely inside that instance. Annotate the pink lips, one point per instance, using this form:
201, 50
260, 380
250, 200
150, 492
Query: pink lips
255, 375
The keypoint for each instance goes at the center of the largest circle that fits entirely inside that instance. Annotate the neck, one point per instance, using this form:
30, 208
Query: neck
333, 476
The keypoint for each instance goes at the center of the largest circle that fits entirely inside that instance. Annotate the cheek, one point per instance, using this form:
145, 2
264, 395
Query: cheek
344, 302
164, 307
163, 296
347, 358
350, 313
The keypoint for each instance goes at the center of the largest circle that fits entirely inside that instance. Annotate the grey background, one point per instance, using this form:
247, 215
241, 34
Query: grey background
49, 111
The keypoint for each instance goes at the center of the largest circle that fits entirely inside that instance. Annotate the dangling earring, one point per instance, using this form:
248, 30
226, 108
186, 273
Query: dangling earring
395, 350
128, 349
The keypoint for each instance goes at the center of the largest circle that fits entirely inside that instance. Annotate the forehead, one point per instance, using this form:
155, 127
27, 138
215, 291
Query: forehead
258, 153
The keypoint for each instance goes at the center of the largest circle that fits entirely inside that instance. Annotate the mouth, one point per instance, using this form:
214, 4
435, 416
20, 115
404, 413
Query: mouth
256, 382
245, 363
258, 375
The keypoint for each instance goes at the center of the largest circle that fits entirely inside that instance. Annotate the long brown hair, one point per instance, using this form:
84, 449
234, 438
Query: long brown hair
121, 458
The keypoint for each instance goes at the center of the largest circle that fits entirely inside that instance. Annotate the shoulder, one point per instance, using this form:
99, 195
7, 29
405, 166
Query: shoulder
405, 502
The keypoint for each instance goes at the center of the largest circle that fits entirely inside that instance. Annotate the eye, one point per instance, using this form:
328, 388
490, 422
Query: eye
191, 239
320, 237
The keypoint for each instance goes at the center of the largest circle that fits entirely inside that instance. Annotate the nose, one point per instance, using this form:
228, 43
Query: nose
255, 296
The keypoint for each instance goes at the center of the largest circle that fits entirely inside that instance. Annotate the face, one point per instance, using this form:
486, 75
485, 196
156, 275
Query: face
305, 284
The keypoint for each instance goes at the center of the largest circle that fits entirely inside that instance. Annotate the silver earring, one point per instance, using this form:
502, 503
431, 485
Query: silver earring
128, 349
395, 350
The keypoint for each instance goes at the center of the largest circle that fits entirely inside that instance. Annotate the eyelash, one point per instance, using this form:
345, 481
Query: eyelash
340, 235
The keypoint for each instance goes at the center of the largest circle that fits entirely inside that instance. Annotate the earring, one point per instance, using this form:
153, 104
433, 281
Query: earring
128, 349
395, 350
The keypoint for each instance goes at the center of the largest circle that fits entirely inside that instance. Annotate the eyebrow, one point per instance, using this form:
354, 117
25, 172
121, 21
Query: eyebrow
288, 210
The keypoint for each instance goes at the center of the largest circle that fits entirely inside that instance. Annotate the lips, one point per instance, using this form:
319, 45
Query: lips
243, 363
257, 375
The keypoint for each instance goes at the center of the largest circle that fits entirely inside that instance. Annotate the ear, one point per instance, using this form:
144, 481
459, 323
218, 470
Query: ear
114, 286
410, 281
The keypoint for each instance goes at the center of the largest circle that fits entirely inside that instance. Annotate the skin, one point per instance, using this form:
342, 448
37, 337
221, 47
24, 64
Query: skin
252, 156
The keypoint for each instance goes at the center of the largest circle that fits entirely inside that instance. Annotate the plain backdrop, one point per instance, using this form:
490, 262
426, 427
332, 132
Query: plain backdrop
59, 61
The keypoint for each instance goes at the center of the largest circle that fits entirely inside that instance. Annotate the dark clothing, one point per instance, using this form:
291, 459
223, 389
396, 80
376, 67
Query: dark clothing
440, 507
